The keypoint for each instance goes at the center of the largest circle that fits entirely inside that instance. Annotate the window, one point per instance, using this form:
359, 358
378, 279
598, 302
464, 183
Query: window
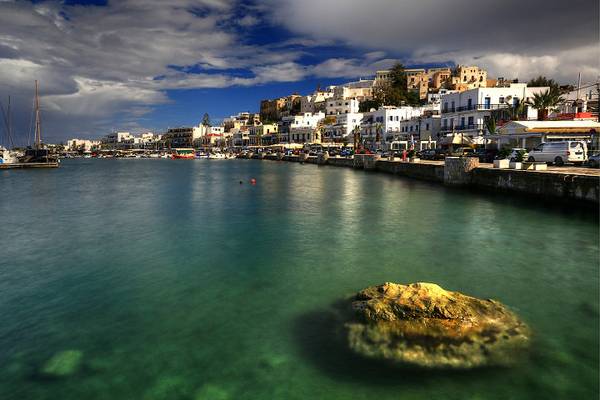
445, 106
391, 118
452, 107
427, 127
471, 122
501, 99
487, 102
469, 104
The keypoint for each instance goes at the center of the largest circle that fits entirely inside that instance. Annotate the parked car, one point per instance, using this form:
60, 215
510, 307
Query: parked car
486, 155
560, 153
594, 160
428, 154
461, 152
514, 154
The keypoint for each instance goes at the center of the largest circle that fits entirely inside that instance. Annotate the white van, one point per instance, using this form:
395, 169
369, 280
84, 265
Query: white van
560, 153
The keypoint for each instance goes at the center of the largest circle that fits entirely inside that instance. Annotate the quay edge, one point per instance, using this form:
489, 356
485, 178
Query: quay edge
568, 186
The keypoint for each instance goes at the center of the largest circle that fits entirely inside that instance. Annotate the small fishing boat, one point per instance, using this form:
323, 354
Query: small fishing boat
216, 156
186, 154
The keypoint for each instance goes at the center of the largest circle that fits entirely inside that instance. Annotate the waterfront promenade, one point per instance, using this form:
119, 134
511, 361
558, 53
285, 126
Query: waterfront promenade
559, 183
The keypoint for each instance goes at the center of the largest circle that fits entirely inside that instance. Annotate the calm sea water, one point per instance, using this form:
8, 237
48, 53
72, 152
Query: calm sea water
175, 281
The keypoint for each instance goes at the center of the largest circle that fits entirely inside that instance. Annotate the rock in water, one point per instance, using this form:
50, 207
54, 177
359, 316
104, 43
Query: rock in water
63, 364
424, 325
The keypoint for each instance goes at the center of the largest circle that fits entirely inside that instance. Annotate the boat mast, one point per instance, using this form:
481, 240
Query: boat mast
38, 122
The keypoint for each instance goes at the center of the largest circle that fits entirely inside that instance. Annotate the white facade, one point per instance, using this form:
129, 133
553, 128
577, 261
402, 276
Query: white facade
315, 102
117, 137
343, 127
341, 106
437, 97
360, 90
298, 127
82, 144
466, 112
390, 118
426, 127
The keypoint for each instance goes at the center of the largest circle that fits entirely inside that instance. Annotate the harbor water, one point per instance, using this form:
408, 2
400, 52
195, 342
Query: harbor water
178, 279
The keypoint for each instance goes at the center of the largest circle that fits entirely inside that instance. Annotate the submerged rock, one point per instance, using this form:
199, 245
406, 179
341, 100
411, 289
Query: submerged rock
169, 388
424, 325
63, 364
212, 392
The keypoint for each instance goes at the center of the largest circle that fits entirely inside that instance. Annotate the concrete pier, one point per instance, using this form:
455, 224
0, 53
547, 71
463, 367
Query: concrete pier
561, 183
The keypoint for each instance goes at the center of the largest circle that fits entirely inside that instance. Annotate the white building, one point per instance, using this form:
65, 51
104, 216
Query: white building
399, 123
341, 106
82, 144
424, 127
467, 112
116, 137
240, 137
360, 90
435, 98
317, 101
343, 127
300, 128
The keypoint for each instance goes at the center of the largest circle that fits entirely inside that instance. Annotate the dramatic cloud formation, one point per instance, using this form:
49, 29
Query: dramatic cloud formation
107, 66
529, 32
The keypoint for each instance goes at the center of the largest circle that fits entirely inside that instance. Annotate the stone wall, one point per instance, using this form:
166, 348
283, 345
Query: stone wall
428, 172
465, 172
457, 170
555, 185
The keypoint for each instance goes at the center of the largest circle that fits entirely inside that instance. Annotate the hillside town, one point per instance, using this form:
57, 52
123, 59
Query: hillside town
398, 109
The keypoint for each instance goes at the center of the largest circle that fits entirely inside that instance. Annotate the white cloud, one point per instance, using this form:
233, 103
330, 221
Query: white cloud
248, 20
562, 65
105, 66
523, 37
94, 62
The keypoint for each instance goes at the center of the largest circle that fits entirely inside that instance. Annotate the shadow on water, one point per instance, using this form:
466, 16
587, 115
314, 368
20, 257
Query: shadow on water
320, 337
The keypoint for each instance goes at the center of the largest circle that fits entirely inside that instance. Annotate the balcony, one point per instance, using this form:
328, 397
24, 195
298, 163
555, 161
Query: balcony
475, 107
463, 128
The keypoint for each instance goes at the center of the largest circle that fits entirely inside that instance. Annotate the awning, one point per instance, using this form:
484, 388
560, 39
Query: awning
456, 139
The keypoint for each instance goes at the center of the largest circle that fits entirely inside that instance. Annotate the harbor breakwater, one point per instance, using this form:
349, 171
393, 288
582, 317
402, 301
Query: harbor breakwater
467, 172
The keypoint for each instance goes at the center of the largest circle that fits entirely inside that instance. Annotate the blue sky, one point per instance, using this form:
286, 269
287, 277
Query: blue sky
140, 65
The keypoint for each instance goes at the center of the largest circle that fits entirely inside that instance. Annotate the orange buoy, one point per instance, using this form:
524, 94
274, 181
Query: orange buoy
253, 181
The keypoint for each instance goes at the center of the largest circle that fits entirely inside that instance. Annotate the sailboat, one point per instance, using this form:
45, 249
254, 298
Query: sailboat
7, 156
39, 153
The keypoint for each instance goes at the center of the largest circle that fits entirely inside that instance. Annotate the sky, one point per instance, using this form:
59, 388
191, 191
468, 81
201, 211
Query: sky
146, 65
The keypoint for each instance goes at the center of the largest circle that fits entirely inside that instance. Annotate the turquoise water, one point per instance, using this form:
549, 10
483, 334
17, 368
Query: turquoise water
176, 282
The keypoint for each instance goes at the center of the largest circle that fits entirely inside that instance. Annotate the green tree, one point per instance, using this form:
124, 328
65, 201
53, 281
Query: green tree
542, 81
206, 120
395, 91
366, 105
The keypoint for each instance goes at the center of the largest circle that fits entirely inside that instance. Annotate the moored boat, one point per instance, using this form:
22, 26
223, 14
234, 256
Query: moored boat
187, 154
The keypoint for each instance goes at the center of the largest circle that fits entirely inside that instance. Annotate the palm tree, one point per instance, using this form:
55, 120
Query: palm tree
378, 127
519, 109
545, 101
356, 134
490, 125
